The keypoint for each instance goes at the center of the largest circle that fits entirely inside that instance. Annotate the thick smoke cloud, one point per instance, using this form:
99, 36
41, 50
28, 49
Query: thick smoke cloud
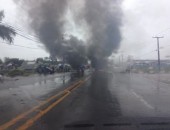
103, 17
46, 20
104, 20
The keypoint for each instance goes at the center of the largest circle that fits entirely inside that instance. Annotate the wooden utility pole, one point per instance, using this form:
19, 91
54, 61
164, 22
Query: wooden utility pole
159, 64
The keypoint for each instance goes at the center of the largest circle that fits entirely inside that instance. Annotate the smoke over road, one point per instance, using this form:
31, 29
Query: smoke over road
103, 18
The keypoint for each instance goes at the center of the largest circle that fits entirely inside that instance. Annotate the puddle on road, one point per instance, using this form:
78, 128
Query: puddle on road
42, 87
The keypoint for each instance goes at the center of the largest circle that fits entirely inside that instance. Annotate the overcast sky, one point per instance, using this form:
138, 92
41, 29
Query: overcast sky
142, 19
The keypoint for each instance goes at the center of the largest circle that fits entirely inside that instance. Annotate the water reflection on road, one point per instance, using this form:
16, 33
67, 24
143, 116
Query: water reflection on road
16, 96
142, 95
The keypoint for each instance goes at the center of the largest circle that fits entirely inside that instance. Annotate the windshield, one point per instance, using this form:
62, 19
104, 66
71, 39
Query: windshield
84, 64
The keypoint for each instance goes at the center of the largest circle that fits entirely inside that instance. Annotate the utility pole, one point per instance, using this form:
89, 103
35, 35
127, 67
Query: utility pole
159, 65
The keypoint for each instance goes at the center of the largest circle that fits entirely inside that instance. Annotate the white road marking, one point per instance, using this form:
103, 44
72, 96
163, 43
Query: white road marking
142, 100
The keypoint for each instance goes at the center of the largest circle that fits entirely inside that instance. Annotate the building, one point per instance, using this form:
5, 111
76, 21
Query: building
29, 65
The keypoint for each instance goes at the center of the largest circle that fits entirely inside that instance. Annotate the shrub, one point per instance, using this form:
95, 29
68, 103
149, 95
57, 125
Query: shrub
14, 73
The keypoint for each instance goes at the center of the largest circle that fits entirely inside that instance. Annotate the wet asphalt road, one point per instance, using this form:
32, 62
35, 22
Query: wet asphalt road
109, 96
105, 97
22, 93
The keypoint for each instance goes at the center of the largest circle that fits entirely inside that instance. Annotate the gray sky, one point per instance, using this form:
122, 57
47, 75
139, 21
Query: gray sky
11, 12
142, 20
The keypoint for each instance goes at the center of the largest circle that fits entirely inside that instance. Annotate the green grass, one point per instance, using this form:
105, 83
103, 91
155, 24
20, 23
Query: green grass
18, 72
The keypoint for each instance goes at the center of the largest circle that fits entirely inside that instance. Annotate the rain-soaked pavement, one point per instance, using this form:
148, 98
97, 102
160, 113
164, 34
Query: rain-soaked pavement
107, 97
21, 93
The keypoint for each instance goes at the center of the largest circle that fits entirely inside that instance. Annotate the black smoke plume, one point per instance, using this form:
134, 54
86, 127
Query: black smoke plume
103, 17
104, 20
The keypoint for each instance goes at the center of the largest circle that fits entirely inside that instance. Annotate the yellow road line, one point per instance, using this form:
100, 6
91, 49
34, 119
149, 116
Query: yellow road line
82, 82
23, 115
69, 88
31, 121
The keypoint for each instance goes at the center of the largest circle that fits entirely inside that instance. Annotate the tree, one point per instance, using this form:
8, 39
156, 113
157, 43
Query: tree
15, 61
6, 32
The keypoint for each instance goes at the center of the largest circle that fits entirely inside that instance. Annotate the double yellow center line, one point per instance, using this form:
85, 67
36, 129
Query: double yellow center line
32, 120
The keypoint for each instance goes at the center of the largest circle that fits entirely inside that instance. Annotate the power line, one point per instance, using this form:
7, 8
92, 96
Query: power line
19, 45
18, 29
24, 46
145, 54
151, 52
27, 37
22, 35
